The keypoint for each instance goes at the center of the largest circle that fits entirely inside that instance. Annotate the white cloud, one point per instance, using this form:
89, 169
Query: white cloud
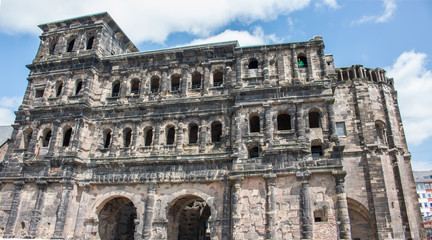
7, 107
414, 85
331, 3
148, 20
243, 37
389, 9
7, 116
10, 102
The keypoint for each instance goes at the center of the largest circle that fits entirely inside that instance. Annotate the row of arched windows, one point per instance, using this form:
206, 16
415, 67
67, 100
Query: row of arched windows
155, 83
77, 91
301, 62
45, 138
70, 45
283, 121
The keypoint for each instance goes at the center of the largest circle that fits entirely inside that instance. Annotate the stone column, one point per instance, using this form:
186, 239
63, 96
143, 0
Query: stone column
36, 213
332, 123
10, 224
156, 140
300, 122
309, 63
184, 81
226, 220
54, 133
294, 72
62, 211
238, 72
203, 136
270, 206
82, 209
164, 83
235, 211
305, 206
206, 78
268, 130
342, 206
179, 137
148, 212
322, 59
266, 70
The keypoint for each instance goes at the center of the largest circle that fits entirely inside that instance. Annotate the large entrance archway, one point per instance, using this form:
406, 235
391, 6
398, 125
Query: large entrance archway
116, 220
362, 226
187, 219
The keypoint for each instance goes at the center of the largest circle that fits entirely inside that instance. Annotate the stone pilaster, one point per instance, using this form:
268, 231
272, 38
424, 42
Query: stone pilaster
148, 214
36, 213
62, 211
81, 214
322, 58
10, 225
343, 220
235, 211
205, 82
305, 206
203, 136
268, 130
184, 82
270, 207
294, 66
300, 122
238, 71
309, 63
179, 137
227, 188
332, 122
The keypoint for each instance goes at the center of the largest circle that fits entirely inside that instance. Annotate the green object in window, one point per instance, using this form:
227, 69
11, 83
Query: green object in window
300, 64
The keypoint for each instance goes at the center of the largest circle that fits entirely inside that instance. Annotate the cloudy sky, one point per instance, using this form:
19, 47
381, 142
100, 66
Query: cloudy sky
391, 34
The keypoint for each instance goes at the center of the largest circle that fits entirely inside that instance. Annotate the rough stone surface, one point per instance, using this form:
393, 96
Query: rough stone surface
213, 141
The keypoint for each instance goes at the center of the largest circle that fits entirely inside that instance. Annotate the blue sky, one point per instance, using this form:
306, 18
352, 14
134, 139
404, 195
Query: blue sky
391, 34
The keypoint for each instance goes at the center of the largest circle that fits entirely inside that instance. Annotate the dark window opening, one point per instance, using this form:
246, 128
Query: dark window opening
217, 79
316, 151
170, 136
320, 215
67, 137
52, 48
135, 86
46, 139
380, 133
175, 83
71, 45
253, 64
154, 88
254, 124
253, 152
59, 89
284, 122
78, 87
314, 120
216, 132
115, 89
193, 134
127, 134
39, 93
27, 137
107, 139
196, 80
148, 137
302, 62
90, 43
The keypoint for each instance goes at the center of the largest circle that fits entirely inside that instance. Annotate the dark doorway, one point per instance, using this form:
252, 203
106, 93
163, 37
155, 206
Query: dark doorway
116, 220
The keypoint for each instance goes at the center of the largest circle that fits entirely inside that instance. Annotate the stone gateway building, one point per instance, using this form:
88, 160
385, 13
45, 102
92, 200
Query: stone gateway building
213, 141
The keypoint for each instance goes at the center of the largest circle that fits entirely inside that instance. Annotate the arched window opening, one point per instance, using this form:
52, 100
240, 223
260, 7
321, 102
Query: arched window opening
217, 79
302, 61
196, 80
254, 124
253, 64
78, 87
175, 83
115, 89
135, 86
193, 133
52, 47
70, 45
216, 132
59, 89
253, 152
170, 136
67, 137
316, 149
107, 138
148, 137
314, 119
90, 43
46, 138
117, 219
284, 122
154, 88
127, 137
28, 133
380, 133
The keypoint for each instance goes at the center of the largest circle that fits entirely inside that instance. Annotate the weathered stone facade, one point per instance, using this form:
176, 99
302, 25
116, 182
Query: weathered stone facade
212, 141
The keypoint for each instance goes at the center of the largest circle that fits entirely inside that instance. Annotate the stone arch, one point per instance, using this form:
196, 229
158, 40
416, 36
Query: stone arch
187, 218
362, 223
116, 216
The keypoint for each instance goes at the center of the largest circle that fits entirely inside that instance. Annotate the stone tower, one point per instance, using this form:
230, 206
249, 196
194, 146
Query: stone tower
213, 141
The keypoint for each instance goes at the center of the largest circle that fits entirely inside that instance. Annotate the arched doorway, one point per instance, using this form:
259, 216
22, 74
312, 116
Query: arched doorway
187, 219
116, 220
362, 227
